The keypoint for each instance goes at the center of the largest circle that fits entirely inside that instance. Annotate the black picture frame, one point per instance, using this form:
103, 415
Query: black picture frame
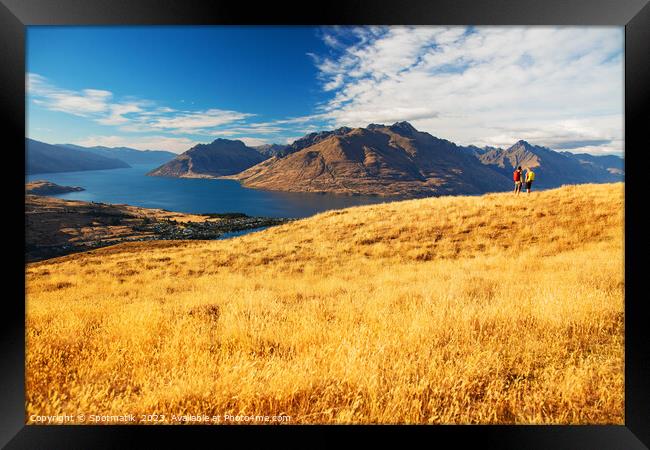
634, 15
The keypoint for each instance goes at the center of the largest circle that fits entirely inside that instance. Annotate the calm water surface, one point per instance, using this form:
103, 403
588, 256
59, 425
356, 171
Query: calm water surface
133, 187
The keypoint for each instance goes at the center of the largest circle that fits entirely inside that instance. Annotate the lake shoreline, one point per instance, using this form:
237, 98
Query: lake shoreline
131, 186
57, 227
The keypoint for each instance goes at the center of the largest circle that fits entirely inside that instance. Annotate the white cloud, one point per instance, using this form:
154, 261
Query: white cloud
561, 87
191, 121
486, 85
172, 144
331, 41
131, 115
251, 141
80, 103
292, 139
334, 83
117, 114
271, 131
253, 129
598, 150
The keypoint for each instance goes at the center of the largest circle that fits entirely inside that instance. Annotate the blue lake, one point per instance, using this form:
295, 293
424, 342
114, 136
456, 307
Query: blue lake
131, 186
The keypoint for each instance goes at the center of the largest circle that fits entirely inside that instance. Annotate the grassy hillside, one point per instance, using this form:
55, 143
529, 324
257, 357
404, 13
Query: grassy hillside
492, 309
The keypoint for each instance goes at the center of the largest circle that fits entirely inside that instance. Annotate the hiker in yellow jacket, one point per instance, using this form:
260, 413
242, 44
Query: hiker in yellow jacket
530, 177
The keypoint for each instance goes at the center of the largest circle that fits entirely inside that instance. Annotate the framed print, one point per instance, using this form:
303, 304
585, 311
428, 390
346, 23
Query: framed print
367, 213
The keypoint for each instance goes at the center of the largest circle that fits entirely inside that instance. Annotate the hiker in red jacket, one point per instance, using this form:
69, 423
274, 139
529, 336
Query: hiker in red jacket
518, 177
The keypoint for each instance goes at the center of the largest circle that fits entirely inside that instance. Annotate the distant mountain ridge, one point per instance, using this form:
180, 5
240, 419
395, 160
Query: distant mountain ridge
300, 143
269, 150
220, 157
127, 154
388, 160
400, 160
613, 164
46, 158
377, 160
552, 168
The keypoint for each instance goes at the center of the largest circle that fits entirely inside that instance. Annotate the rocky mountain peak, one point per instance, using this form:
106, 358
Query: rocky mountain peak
403, 128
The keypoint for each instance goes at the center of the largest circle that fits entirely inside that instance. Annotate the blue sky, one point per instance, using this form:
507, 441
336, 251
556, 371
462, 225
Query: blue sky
172, 87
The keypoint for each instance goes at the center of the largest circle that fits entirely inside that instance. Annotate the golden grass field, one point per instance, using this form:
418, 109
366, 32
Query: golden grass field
452, 310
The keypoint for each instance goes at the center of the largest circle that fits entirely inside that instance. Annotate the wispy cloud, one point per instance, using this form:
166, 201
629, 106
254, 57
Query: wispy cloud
130, 115
561, 87
175, 130
86, 102
252, 141
198, 120
118, 114
483, 85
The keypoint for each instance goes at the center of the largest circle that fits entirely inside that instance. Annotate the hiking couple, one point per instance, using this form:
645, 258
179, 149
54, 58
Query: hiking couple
518, 177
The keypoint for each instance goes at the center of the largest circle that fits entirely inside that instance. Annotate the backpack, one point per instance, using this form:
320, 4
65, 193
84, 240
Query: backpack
516, 175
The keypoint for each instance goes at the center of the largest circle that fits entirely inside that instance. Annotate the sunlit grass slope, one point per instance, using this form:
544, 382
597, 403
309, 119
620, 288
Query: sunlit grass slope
492, 309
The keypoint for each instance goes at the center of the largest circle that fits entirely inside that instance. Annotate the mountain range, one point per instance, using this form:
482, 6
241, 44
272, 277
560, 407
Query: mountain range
47, 158
220, 157
389, 160
553, 168
400, 160
612, 163
269, 150
379, 159
126, 154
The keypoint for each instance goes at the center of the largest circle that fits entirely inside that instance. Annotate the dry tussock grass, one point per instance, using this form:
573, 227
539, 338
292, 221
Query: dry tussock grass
489, 309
